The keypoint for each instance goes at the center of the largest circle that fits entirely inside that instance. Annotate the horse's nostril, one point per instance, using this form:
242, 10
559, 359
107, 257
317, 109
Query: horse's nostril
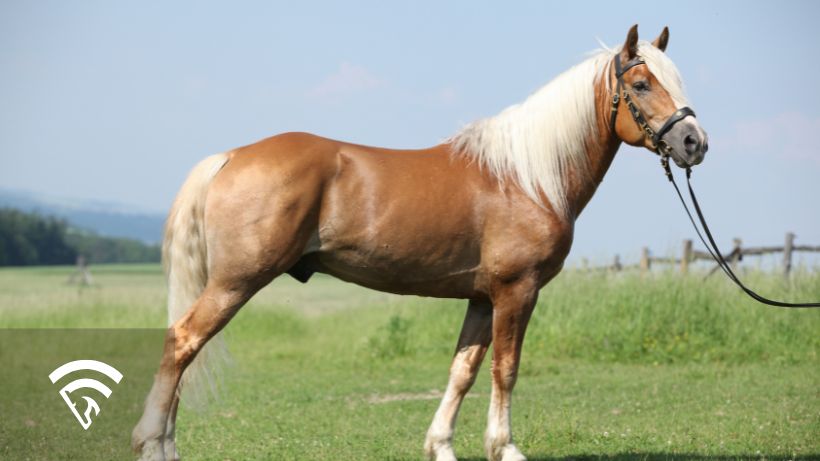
690, 144
705, 146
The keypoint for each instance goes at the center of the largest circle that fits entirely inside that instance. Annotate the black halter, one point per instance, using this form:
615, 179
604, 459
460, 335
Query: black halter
664, 150
659, 146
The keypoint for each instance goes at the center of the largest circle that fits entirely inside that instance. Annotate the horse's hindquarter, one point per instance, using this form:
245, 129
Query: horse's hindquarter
411, 222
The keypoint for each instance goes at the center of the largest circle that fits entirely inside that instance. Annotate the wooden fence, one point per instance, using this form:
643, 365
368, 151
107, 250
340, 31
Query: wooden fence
690, 255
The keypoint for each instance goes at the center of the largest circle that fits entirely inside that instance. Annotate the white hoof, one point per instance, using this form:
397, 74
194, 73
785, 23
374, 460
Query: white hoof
152, 451
508, 452
170, 448
439, 450
442, 454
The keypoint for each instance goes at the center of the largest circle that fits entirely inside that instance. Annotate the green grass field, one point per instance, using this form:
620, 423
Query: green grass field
614, 367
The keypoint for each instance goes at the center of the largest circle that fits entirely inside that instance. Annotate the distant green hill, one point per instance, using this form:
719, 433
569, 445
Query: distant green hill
106, 219
28, 239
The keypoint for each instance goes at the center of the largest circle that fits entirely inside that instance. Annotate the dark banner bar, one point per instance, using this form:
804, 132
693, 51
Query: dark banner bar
74, 393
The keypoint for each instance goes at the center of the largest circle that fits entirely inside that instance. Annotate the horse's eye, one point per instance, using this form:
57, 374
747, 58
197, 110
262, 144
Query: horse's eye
640, 86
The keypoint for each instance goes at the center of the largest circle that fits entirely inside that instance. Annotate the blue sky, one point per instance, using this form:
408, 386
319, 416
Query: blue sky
117, 101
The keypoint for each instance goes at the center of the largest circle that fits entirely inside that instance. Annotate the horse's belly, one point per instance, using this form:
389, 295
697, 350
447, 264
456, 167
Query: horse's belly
423, 273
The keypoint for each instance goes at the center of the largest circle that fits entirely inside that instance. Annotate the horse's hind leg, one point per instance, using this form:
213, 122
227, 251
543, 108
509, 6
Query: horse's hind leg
170, 444
473, 342
209, 314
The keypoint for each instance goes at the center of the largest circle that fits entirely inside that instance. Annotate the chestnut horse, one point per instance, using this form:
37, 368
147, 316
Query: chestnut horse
486, 216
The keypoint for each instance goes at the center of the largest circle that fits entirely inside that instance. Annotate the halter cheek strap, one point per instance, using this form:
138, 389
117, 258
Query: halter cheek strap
621, 88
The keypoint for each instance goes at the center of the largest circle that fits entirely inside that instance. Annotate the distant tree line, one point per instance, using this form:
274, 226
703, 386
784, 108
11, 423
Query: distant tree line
28, 239
112, 250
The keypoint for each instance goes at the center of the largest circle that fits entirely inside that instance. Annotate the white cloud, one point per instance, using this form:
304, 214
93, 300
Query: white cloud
447, 95
347, 79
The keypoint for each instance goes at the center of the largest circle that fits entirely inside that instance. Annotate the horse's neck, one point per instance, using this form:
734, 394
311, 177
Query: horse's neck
600, 153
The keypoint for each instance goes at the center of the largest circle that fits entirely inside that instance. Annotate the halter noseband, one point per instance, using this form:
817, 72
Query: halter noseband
659, 146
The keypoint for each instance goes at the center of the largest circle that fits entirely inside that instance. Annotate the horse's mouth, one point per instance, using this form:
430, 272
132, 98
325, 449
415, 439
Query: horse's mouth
687, 161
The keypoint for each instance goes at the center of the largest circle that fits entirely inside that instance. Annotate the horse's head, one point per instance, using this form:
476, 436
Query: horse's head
649, 107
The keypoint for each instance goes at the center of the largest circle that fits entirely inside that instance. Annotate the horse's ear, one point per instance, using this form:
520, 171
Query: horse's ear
662, 40
631, 44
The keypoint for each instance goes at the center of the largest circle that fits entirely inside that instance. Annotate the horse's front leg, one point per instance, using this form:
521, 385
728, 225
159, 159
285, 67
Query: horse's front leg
512, 307
476, 333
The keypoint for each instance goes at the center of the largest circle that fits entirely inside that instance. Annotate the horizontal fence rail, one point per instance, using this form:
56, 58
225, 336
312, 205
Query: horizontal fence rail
690, 255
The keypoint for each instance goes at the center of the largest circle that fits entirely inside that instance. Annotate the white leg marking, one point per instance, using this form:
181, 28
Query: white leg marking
439, 442
498, 438
170, 446
476, 333
148, 435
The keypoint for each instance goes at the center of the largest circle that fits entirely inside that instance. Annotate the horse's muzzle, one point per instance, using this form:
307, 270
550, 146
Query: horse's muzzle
689, 144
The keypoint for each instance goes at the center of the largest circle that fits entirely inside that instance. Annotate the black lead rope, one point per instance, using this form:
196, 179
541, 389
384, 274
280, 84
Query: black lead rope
712, 246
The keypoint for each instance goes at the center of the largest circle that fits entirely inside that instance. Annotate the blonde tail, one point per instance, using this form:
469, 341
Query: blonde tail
185, 258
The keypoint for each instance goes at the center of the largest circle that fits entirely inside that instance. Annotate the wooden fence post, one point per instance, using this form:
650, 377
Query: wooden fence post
645, 263
737, 252
616, 264
788, 247
81, 275
686, 256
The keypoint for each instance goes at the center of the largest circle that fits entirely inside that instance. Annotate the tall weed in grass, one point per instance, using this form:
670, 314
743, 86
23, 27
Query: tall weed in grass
392, 339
